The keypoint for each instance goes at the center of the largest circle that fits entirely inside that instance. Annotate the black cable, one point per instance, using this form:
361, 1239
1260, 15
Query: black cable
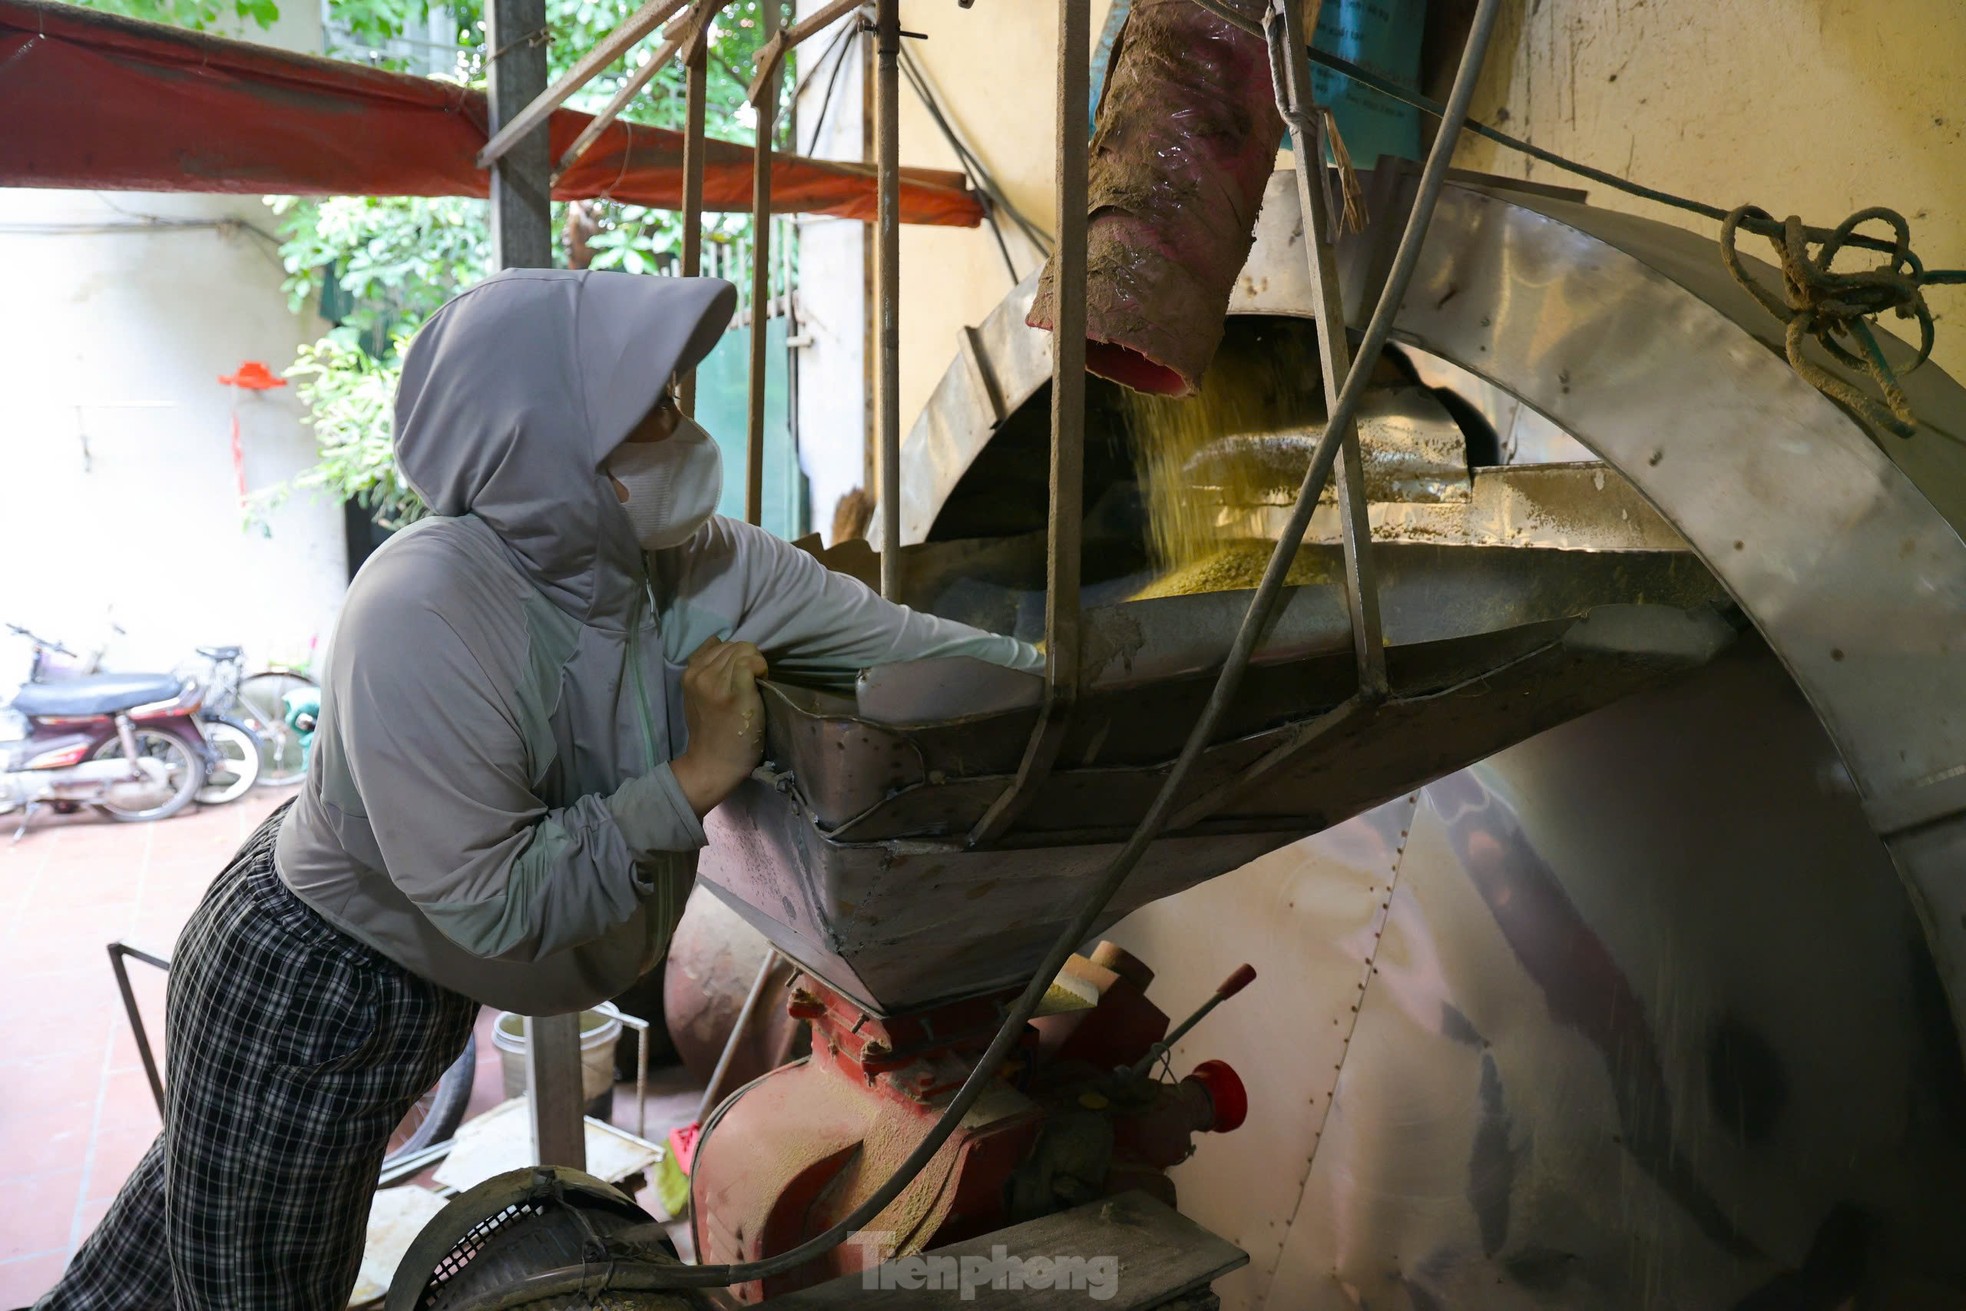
971, 166
1255, 623
826, 97
985, 181
1763, 227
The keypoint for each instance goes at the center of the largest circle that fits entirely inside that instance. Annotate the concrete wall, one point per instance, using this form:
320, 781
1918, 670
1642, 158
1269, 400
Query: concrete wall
1813, 106
115, 432
834, 417
994, 70
1810, 107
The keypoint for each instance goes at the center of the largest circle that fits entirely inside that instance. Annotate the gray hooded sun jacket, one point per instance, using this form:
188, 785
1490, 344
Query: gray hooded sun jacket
490, 802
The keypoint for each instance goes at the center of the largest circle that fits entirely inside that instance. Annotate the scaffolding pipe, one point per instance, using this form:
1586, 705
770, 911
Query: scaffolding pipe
1064, 524
887, 280
1284, 29
765, 101
610, 48
696, 84
633, 87
772, 52
987, 1070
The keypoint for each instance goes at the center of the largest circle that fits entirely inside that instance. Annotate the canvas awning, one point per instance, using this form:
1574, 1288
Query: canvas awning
89, 100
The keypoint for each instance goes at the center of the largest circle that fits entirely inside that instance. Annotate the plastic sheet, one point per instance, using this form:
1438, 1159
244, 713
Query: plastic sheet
104, 103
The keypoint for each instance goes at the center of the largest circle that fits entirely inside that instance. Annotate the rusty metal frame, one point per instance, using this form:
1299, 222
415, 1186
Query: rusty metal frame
887, 284
1284, 31
611, 47
764, 100
1064, 525
772, 53
696, 83
689, 30
118, 952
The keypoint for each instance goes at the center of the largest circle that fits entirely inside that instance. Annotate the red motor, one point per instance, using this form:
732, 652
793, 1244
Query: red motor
1075, 1116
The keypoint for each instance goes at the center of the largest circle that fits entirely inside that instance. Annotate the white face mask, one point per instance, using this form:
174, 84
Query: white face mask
673, 485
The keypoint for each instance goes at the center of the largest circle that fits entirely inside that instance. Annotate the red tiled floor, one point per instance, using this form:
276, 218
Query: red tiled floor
37, 1212
76, 1112
118, 1149
75, 1109
21, 1281
49, 1140
50, 1083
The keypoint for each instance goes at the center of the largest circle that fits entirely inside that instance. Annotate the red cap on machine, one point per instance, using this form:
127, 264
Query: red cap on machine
1225, 1093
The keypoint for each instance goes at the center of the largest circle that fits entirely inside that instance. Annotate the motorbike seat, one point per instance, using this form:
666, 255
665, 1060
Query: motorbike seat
95, 694
221, 653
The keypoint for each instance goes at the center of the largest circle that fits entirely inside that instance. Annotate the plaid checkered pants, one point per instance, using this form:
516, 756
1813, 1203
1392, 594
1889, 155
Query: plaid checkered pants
294, 1051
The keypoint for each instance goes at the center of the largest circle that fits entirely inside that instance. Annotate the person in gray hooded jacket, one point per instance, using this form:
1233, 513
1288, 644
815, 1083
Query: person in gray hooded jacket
534, 697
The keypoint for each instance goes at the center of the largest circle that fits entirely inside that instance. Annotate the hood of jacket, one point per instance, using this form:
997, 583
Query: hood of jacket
515, 393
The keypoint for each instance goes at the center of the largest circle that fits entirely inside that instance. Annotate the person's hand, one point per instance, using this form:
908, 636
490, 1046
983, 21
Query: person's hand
726, 719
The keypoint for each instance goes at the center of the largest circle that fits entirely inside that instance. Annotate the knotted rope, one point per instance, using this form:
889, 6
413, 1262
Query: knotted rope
1832, 307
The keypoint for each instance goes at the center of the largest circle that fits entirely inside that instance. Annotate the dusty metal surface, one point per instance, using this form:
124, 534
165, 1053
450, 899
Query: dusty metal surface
714, 958
1628, 336
1562, 507
1509, 600
1634, 1014
1065, 473
852, 869
1656, 1008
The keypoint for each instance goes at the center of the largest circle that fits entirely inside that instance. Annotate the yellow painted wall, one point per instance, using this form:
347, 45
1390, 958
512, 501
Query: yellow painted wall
994, 68
1812, 106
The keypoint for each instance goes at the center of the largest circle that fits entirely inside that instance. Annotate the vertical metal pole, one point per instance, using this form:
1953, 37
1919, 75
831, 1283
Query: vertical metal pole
522, 237
521, 216
869, 316
713, 1092
559, 1130
754, 428
696, 80
1061, 606
1290, 63
1063, 535
887, 278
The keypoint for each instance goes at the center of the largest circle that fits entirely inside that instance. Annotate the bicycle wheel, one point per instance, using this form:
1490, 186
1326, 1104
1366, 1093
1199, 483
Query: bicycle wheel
437, 1113
238, 750
262, 701
184, 774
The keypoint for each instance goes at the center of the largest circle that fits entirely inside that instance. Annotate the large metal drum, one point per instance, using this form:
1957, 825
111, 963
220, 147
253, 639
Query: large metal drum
1658, 1007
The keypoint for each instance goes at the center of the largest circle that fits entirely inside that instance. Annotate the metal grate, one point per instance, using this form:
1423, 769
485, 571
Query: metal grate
468, 1247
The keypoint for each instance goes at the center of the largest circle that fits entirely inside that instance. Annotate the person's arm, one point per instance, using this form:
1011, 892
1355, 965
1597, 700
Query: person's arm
442, 766
810, 622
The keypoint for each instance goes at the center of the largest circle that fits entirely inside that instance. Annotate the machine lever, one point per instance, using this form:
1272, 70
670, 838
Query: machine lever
1229, 987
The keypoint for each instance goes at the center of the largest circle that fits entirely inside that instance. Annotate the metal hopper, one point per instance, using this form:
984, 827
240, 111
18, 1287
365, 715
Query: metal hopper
853, 859
1512, 598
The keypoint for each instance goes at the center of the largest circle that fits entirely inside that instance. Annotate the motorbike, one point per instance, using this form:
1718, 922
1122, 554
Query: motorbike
127, 744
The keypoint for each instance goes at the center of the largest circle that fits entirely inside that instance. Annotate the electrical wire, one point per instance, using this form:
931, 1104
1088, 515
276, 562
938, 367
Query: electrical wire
973, 169
837, 46
1763, 227
1255, 622
985, 181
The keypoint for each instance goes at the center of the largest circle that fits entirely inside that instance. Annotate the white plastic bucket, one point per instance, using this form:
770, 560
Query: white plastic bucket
597, 1035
